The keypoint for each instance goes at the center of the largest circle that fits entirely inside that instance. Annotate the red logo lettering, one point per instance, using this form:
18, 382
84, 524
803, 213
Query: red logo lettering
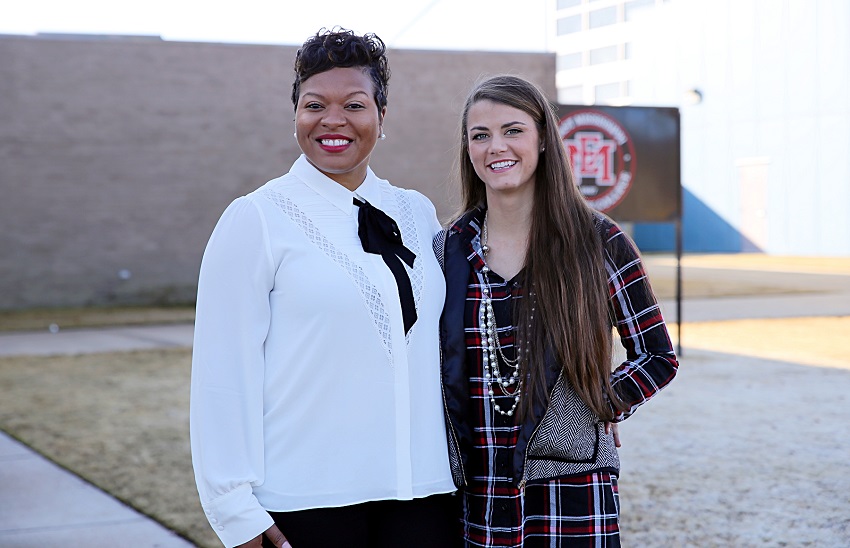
592, 157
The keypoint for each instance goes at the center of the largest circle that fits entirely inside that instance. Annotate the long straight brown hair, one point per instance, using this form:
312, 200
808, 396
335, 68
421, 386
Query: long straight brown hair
565, 272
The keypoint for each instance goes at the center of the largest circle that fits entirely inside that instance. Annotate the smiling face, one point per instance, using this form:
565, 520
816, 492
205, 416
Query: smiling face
504, 147
337, 123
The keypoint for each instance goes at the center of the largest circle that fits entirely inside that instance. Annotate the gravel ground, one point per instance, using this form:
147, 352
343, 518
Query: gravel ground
740, 451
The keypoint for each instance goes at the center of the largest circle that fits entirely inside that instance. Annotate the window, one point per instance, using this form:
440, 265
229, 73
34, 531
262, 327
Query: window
569, 25
563, 4
571, 95
606, 92
636, 7
603, 17
569, 61
603, 55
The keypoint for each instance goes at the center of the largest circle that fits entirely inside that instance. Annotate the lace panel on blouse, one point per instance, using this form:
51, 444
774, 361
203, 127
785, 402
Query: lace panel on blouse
403, 215
398, 207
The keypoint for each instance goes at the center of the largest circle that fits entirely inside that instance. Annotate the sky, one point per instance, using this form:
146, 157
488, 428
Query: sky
487, 25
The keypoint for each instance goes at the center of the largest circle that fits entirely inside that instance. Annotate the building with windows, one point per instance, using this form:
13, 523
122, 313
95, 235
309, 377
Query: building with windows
765, 115
594, 45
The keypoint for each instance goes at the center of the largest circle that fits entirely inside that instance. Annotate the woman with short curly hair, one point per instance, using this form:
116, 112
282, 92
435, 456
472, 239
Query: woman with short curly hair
316, 413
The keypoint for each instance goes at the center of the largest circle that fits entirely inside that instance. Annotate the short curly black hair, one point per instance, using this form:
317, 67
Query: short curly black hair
340, 47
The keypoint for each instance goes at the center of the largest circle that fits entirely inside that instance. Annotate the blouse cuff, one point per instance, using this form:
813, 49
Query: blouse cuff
237, 517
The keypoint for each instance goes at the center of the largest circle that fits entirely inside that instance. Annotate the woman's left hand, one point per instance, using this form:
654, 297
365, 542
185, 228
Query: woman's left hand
612, 428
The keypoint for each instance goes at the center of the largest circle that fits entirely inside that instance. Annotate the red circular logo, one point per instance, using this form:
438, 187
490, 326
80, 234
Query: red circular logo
602, 156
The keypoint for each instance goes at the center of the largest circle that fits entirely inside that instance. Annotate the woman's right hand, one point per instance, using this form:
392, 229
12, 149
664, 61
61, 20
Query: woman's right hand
273, 534
613, 429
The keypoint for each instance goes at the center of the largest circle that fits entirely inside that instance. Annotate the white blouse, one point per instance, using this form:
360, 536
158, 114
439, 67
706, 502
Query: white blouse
306, 392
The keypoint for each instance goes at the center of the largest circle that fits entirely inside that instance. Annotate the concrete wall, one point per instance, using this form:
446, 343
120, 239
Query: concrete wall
117, 155
765, 150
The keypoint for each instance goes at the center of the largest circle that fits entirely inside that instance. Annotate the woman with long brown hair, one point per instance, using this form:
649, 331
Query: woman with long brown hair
535, 283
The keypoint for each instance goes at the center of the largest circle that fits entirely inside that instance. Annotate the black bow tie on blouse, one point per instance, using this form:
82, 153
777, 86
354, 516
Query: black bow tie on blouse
380, 235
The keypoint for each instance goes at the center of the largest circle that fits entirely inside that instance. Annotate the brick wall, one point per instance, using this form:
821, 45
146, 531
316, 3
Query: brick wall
117, 155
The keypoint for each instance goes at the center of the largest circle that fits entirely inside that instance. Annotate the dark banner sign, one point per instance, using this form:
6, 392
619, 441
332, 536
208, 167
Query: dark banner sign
625, 159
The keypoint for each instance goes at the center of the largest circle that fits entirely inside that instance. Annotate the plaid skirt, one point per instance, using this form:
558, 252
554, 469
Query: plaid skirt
574, 511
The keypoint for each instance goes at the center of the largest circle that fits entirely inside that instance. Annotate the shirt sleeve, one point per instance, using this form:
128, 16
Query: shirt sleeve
650, 360
226, 406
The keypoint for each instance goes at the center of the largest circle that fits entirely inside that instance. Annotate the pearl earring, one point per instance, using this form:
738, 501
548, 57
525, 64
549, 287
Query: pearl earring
383, 136
295, 135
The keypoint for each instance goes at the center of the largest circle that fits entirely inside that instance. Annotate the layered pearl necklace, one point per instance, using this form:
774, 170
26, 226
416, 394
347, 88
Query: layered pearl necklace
511, 383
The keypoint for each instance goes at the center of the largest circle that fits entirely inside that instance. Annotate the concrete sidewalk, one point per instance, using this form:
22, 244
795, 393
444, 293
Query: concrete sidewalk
42, 504
90, 340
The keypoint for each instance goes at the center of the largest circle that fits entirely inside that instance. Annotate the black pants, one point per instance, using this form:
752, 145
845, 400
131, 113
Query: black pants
430, 522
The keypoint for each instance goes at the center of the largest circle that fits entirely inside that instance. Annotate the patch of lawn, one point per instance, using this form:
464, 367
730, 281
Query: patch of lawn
118, 420
65, 318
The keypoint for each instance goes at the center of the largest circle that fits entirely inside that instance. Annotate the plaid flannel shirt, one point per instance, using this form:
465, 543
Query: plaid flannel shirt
575, 509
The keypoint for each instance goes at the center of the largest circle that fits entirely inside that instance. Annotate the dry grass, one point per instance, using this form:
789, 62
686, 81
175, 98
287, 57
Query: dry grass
710, 275
764, 263
818, 341
118, 420
664, 288
38, 319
